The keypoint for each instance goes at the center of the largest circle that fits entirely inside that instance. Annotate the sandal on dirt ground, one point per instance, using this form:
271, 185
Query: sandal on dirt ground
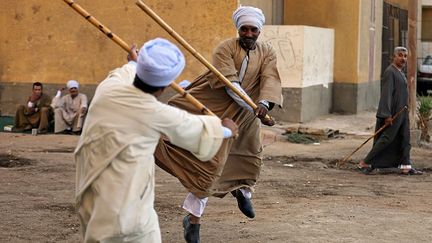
412, 172
365, 170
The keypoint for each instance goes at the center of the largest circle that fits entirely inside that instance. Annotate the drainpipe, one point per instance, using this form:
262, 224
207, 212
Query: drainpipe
371, 42
412, 57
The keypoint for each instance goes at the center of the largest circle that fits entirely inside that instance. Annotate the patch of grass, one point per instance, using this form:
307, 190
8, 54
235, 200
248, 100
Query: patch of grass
301, 138
424, 111
425, 106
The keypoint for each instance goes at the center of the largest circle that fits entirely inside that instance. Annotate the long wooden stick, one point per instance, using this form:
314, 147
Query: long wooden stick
196, 54
127, 48
344, 160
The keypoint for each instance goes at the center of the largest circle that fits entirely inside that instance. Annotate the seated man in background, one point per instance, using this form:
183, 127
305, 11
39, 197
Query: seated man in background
36, 113
69, 110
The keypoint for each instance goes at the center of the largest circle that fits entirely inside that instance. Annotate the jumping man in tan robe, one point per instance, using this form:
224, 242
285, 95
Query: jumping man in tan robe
251, 66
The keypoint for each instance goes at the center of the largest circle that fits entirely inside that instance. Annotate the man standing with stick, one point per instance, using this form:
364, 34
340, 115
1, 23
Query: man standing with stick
251, 67
114, 156
392, 146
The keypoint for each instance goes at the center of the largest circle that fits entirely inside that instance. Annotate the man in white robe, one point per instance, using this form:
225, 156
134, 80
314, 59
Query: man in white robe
69, 110
114, 156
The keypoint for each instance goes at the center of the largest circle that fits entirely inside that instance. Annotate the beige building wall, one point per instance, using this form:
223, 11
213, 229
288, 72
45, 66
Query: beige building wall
264, 5
272, 9
48, 41
343, 16
302, 62
424, 33
358, 45
369, 52
357, 33
305, 67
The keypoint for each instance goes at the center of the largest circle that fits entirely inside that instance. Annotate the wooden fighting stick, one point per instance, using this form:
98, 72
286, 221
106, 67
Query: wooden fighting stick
127, 48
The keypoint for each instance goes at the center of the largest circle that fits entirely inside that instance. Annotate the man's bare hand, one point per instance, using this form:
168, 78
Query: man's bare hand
31, 110
83, 110
34, 97
268, 121
388, 121
261, 111
133, 53
230, 124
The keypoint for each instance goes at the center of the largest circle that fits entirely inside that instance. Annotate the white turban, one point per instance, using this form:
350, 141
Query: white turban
72, 84
399, 49
246, 15
159, 62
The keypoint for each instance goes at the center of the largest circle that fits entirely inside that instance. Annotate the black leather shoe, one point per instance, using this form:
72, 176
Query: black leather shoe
191, 231
244, 204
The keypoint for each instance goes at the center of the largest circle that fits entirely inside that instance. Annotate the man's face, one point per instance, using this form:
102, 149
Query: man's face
37, 90
248, 36
73, 92
400, 59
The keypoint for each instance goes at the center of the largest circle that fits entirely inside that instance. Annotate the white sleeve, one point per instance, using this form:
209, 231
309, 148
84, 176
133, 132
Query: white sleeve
84, 101
237, 98
120, 76
184, 84
226, 132
199, 134
57, 101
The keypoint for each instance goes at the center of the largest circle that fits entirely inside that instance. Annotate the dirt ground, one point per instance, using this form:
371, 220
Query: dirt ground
300, 197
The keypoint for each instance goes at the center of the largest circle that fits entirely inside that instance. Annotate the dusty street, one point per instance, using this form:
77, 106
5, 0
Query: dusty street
300, 197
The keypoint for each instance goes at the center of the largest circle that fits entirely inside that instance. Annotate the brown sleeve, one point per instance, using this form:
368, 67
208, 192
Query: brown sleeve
223, 61
26, 108
45, 101
270, 82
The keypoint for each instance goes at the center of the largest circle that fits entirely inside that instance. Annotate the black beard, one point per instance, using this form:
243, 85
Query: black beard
247, 43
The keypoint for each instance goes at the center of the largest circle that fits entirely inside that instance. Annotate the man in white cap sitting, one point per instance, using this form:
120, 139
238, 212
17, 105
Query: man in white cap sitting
251, 66
114, 156
69, 110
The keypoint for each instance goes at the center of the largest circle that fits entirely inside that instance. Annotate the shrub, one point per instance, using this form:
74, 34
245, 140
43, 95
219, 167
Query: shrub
424, 111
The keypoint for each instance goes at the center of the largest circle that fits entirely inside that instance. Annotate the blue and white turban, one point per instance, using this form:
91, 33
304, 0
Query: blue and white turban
246, 15
159, 62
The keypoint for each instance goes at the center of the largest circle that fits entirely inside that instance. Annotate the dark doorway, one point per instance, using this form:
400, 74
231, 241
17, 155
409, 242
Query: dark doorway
394, 32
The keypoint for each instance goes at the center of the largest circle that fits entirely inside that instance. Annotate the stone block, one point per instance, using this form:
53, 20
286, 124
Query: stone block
305, 67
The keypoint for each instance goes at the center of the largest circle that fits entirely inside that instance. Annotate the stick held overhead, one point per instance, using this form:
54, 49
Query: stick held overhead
97, 24
127, 48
